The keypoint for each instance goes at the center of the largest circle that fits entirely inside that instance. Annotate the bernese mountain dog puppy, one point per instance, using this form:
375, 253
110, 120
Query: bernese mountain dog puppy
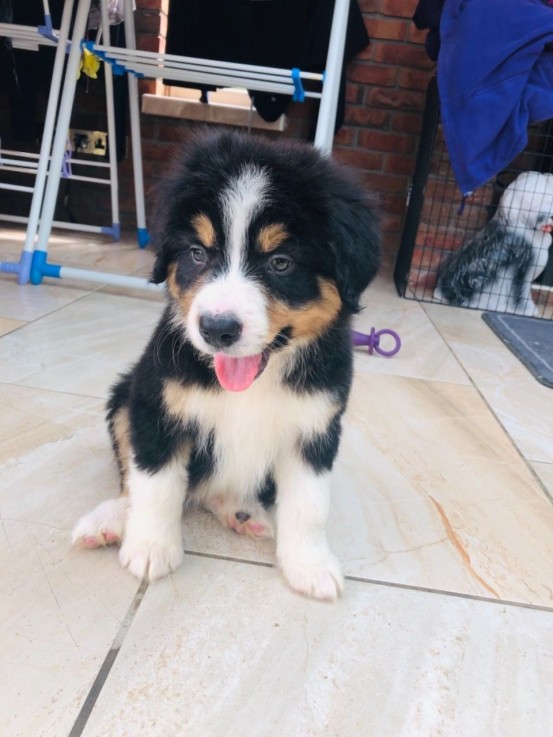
237, 401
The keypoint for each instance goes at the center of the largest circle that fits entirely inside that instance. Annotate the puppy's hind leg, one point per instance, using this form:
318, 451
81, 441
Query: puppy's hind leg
104, 525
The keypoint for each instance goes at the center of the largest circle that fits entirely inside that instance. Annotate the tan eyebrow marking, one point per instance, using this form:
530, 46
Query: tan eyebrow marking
204, 229
271, 237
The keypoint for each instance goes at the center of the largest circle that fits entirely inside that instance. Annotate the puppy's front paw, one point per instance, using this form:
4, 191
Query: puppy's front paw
313, 571
151, 559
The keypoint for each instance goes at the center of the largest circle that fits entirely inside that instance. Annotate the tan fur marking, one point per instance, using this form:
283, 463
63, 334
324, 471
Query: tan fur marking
172, 282
271, 237
311, 319
204, 229
182, 298
121, 432
174, 398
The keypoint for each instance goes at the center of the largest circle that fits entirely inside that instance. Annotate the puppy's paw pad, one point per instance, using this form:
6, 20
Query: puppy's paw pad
150, 560
112, 538
89, 541
320, 579
103, 526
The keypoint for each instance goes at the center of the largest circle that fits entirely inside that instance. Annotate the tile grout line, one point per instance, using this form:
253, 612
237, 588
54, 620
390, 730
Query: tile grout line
453, 594
389, 584
85, 292
53, 391
95, 690
50, 312
98, 684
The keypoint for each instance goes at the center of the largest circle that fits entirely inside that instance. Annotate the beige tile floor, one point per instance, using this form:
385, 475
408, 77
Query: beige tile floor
442, 515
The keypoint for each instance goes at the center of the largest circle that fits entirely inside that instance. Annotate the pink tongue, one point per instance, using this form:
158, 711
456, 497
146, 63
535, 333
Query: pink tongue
236, 374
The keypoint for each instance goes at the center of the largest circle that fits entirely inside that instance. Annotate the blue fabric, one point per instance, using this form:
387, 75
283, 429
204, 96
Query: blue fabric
494, 78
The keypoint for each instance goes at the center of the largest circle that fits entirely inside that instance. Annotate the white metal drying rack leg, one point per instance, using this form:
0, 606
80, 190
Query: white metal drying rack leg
156, 65
38, 164
40, 267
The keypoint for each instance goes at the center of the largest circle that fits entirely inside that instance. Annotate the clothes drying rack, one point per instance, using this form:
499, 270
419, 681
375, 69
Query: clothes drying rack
135, 64
40, 165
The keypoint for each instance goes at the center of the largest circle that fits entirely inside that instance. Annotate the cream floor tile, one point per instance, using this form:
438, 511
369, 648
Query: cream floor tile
82, 250
522, 404
31, 419
11, 243
424, 354
224, 649
87, 251
28, 302
427, 491
439, 495
7, 325
82, 348
59, 609
98, 252
545, 472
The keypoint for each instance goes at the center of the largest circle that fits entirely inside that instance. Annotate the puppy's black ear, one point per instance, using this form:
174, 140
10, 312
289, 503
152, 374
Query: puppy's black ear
161, 265
355, 243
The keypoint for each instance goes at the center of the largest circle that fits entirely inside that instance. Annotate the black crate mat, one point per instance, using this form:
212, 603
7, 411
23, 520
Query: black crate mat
530, 339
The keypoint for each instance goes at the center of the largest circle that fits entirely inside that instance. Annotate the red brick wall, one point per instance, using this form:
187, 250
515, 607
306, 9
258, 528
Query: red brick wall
386, 93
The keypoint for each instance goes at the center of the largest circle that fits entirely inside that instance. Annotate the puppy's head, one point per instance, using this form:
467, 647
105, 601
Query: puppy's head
261, 244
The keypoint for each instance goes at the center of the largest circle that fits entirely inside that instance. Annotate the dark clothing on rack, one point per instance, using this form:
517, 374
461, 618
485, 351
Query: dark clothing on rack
8, 75
283, 33
24, 73
427, 15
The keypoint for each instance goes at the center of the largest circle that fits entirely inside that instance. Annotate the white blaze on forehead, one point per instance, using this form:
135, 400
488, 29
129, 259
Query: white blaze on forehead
242, 199
232, 290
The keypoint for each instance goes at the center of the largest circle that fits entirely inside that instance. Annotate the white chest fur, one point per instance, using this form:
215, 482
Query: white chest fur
252, 430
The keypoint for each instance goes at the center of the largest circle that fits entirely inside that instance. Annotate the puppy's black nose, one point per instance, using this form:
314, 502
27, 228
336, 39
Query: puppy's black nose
220, 331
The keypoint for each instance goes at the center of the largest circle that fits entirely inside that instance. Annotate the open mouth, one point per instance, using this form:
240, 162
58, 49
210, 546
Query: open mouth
238, 374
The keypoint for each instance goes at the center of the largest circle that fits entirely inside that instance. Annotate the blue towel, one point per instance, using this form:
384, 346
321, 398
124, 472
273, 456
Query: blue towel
495, 77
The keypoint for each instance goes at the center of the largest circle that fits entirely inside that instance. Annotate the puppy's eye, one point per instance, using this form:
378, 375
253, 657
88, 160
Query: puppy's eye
198, 254
280, 264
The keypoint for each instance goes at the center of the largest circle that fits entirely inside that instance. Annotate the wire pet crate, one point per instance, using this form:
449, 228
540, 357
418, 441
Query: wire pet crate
490, 250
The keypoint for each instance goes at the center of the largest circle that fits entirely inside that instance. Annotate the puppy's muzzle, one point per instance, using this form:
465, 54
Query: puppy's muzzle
220, 331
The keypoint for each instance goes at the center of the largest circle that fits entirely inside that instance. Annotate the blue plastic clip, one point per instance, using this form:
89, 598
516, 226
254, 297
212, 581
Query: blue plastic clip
47, 30
299, 93
117, 69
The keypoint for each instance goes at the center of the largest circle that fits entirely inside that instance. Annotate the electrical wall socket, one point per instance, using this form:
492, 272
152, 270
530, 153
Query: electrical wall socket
88, 142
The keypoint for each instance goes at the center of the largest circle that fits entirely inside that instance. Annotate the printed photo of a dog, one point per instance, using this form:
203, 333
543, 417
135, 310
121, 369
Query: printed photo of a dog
237, 401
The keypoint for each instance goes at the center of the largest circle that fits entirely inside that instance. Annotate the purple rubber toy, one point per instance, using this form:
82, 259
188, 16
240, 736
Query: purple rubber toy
372, 341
